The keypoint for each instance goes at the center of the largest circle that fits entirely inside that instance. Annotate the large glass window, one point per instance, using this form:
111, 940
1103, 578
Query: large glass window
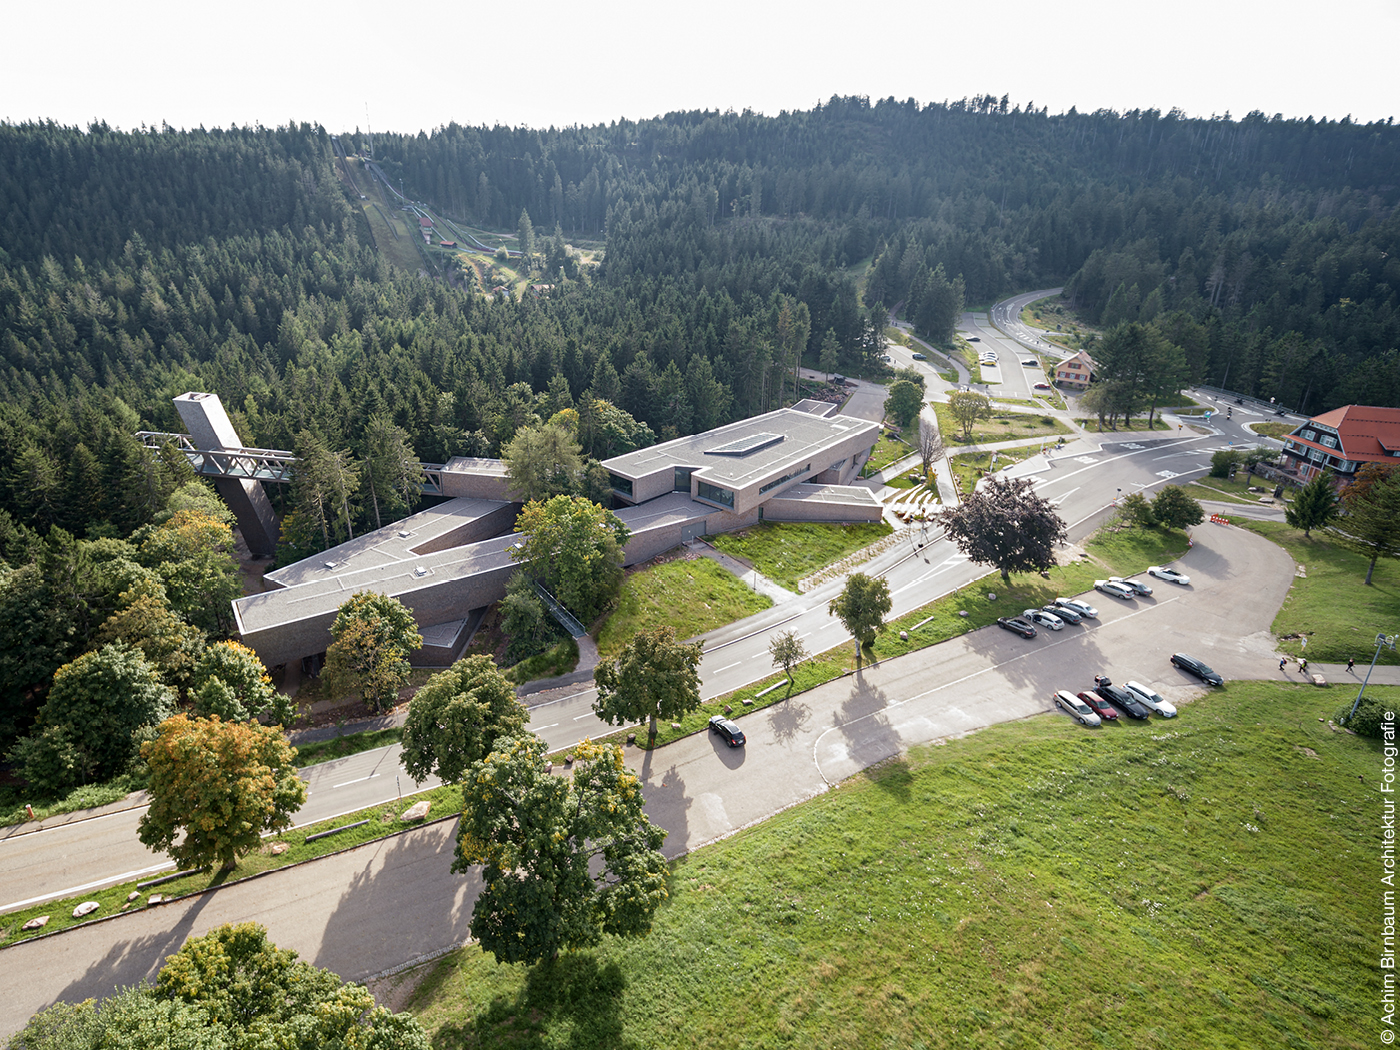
715, 494
683, 479
785, 478
619, 484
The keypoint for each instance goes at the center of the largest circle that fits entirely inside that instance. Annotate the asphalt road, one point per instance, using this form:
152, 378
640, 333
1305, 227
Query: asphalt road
1006, 316
70, 859
372, 908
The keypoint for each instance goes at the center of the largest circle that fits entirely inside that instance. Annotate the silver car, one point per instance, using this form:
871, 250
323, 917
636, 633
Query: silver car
1081, 607
1118, 590
1044, 619
1140, 588
1162, 707
1077, 708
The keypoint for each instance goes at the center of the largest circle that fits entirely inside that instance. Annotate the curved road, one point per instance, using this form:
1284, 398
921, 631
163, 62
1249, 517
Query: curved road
372, 908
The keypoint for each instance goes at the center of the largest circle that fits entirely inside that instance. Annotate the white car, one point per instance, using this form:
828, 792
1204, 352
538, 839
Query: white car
1165, 708
1067, 701
1044, 619
1118, 590
1170, 575
1137, 588
1084, 609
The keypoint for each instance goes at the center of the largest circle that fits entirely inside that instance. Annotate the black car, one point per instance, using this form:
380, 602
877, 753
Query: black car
1125, 701
1024, 628
732, 734
1191, 665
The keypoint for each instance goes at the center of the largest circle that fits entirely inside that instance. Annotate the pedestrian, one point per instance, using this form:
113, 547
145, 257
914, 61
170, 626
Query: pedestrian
1351, 662
1303, 664
1282, 662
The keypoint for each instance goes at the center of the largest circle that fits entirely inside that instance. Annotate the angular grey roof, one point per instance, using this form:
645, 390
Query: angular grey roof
802, 436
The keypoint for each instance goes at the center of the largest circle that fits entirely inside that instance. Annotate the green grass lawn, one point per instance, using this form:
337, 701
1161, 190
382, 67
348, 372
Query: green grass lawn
789, 551
889, 449
559, 658
969, 466
1332, 607
1274, 430
1234, 490
1002, 426
1203, 882
693, 596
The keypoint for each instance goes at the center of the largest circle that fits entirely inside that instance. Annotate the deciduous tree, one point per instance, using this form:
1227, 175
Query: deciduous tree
230, 681
215, 787
1006, 525
1175, 509
457, 717
565, 859
653, 677
862, 607
573, 547
373, 635
930, 444
904, 402
967, 407
787, 651
93, 719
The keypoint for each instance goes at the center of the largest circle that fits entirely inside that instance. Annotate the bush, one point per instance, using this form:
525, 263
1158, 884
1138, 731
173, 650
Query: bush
1370, 714
1222, 462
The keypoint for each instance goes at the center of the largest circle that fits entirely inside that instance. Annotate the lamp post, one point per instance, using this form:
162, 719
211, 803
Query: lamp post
1382, 642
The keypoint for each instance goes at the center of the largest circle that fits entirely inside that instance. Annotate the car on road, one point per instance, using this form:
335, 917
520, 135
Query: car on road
1162, 707
1044, 619
1124, 700
1066, 615
1100, 706
1199, 668
1031, 364
729, 732
918, 357
1083, 608
1115, 589
1138, 587
1024, 628
884, 357
1042, 386
1170, 575
1067, 701
974, 339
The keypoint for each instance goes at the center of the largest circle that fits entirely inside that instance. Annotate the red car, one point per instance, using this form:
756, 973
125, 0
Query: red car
1101, 707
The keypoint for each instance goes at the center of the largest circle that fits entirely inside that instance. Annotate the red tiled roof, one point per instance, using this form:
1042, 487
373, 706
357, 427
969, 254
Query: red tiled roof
1367, 433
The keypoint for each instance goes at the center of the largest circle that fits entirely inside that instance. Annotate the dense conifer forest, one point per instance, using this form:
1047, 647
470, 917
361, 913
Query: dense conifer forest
136, 265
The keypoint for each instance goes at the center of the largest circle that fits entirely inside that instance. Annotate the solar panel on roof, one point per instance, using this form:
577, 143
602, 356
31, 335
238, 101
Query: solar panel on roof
744, 445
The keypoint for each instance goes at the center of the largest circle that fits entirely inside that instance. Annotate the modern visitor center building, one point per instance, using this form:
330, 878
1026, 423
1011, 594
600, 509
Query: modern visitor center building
449, 561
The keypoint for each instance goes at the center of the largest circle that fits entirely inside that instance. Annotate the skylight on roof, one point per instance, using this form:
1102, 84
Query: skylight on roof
745, 445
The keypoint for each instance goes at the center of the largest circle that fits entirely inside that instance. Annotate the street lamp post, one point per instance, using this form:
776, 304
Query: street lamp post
1382, 642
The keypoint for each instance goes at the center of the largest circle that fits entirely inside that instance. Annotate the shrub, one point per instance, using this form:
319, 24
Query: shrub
1370, 714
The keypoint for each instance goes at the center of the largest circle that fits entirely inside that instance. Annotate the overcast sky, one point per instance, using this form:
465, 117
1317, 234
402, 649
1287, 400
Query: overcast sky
419, 66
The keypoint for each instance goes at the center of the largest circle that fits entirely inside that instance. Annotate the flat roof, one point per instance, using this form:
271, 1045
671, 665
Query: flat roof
494, 468
317, 597
798, 436
670, 509
387, 546
851, 495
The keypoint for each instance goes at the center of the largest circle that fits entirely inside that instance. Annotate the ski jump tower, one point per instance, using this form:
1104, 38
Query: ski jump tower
217, 452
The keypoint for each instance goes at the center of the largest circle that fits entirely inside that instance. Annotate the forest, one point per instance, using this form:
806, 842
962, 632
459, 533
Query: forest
137, 265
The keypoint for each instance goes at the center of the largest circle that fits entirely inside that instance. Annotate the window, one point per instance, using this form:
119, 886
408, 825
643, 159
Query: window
683, 479
786, 477
620, 484
1329, 440
715, 494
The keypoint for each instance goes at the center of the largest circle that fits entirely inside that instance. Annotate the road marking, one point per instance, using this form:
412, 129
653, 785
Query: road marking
73, 891
726, 667
586, 714
551, 725
1129, 444
1085, 459
360, 780
1167, 474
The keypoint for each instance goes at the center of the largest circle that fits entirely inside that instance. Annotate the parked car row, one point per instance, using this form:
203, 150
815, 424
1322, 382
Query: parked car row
1105, 701
1052, 617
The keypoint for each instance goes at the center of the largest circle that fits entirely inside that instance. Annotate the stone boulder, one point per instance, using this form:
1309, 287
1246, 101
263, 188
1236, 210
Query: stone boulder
417, 811
86, 908
36, 924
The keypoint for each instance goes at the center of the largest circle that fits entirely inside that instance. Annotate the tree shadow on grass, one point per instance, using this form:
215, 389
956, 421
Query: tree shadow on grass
893, 776
572, 1001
